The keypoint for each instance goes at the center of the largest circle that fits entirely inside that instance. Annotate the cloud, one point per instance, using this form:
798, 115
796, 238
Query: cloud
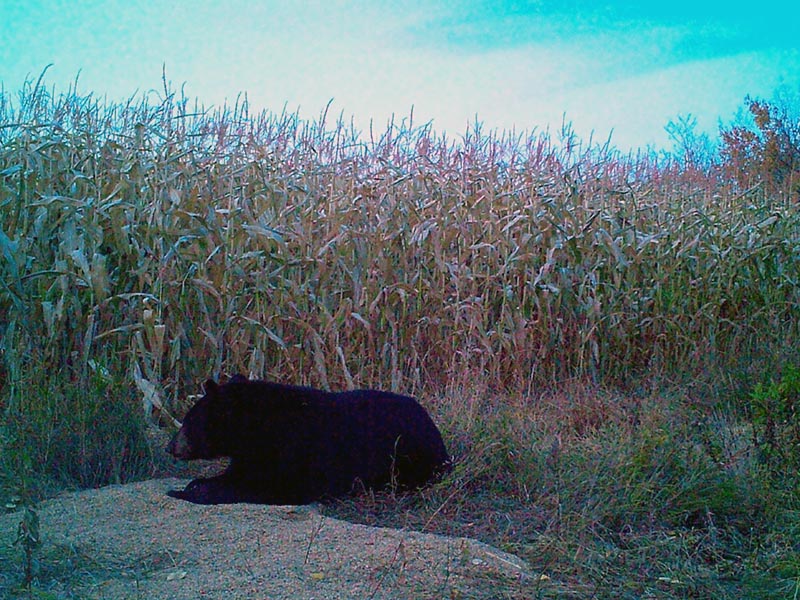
697, 29
625, 65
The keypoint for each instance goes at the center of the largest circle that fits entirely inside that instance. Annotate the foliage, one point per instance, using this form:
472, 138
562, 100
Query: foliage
776, 418
692, 148
28, 539
766, 148
59, 435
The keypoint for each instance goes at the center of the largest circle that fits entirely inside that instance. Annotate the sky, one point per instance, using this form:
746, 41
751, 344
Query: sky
623, 68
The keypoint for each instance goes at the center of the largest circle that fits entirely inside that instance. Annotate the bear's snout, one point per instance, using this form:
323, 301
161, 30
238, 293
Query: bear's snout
179, 447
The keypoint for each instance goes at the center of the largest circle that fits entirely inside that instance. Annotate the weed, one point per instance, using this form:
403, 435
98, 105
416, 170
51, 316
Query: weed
776, 418
28, 535
71, 436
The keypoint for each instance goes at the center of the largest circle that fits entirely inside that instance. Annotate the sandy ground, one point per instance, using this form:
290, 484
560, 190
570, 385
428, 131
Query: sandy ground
133, 541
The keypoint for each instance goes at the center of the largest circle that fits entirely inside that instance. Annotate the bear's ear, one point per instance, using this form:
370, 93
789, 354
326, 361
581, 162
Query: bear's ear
210, 386
238, 378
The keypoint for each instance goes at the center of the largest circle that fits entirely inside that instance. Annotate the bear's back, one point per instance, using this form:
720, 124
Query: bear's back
318, 443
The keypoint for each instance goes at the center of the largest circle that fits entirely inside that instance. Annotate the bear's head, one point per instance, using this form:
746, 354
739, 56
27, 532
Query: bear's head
200, 433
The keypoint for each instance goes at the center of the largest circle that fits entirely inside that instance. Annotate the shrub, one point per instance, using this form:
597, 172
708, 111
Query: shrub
59, 436
776, 419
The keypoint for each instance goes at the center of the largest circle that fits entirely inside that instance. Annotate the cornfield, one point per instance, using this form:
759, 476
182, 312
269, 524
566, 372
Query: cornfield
169, 243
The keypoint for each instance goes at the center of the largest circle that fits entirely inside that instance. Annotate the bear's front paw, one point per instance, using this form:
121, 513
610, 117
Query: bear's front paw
201, 491
179, 494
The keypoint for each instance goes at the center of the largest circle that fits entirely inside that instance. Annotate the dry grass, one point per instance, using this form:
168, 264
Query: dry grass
512, 281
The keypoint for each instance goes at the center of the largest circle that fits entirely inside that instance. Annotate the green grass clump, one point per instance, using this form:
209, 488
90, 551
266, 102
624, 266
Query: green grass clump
776, 417
544, 298
83, 435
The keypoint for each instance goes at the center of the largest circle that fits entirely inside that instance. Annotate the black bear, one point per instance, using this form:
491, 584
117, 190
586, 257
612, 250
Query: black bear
293, 445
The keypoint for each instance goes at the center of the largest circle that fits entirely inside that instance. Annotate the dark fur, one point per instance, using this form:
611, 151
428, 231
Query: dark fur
294, 445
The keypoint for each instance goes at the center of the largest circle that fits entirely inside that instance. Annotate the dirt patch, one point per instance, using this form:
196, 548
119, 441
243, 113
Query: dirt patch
133, 541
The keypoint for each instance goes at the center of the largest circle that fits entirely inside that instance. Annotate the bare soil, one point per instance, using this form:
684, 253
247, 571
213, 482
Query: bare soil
133, 541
